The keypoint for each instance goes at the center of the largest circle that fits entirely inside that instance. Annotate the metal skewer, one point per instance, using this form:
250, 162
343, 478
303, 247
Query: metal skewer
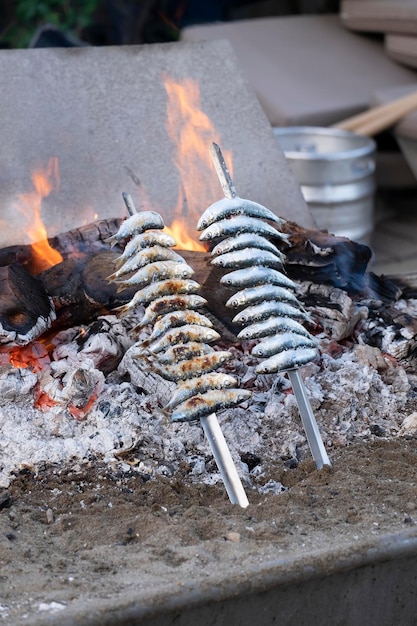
130, 205
213, 432
224, 460
314, 439
222, 171
309, 421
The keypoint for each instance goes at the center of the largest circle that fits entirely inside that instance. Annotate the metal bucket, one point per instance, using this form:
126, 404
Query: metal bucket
335, 169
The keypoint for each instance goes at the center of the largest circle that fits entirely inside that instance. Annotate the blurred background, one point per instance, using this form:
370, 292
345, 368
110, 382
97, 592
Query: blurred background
120, 22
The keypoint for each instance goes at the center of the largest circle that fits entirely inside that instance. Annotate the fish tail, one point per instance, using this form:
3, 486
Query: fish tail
112, 278
166, 411
113, 240
121, 287
124, 308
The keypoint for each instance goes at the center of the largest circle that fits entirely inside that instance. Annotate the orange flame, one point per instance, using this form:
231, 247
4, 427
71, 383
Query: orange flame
192, 133
30, 205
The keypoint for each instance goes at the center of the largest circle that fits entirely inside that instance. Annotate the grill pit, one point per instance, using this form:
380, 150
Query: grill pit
110, 512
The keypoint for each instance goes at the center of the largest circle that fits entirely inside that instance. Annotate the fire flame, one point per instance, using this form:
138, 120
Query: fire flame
192, 133
30, 205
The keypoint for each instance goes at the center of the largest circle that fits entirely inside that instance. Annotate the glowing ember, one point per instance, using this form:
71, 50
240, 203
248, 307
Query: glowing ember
33, 356
192, 133
42, 400
30, 205
80, 413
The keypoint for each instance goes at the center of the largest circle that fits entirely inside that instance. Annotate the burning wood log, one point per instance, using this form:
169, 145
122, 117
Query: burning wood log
71, 244
79, 292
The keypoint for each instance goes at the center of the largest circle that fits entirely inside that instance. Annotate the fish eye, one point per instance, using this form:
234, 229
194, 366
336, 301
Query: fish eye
204, 223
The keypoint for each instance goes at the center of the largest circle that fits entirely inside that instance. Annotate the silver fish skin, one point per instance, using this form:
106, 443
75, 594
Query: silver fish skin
175, 319
271, 326
281, 342
145, 240
248, 258
258, 275
145, 257
189, 388
194, 367
258, 312
261, 293
238, 225
235, 206
161, 288
135, 224
246, 240
183, 351
182, 334
204, 404
152, 272
168, 304
289, 359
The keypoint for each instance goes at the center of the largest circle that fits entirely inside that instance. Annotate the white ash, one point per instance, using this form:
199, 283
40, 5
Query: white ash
356, 391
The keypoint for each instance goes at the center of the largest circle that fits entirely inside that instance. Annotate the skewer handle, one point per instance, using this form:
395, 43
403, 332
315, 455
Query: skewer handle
309, 422
380, 117
224, 460
130, 205
222, 171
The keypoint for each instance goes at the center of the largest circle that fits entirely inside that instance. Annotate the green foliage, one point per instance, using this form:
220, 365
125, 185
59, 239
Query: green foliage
28, 15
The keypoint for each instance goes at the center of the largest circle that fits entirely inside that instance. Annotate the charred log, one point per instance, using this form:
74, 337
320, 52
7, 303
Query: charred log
383, 287
317, 256
406, 284
87, 239
80, 290
26, 310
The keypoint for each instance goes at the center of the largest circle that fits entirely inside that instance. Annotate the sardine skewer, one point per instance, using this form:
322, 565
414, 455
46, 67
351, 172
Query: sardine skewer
212, 429
314, 439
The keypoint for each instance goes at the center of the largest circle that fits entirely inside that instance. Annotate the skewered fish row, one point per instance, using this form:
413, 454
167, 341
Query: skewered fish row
270, 309
270, 315
178, 347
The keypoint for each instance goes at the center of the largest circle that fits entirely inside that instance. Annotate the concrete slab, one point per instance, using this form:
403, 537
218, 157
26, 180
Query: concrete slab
307, 70
102, 113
